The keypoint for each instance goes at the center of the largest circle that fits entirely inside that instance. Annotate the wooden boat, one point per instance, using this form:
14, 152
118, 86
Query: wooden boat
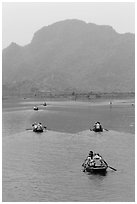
35, 108
97, 130
97, 169
96, 164
44, 104
97, 127
38, 129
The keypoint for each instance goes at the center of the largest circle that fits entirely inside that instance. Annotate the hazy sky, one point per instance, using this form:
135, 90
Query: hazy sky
21, 20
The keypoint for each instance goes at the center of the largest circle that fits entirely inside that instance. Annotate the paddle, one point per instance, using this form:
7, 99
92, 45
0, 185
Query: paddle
112, 168
29, 129
32, 129
43, 127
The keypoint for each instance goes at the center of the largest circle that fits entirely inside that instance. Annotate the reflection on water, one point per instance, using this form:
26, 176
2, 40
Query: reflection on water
47, 167
97, 179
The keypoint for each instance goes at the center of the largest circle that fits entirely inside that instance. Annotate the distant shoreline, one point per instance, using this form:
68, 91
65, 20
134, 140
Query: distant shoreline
91, 96
10, 102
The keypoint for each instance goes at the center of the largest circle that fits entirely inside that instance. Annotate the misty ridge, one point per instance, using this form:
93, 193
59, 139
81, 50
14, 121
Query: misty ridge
71, 55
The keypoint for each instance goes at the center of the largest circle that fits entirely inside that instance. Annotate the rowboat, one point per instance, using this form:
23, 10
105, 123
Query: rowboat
35, 108
97, 169
97, 127
44, 104
94, 163
38, 129
97, 130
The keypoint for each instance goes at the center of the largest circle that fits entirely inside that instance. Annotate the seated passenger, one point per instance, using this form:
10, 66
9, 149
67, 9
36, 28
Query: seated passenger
34, 125
99, 161
92, 163
97, 156
39, 125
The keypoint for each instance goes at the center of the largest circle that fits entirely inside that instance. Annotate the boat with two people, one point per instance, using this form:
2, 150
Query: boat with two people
35, 108
94, 163
97, 127
44, 104
38, 127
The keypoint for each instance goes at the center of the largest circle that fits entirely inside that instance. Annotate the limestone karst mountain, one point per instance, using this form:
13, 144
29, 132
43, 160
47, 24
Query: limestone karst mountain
69, 55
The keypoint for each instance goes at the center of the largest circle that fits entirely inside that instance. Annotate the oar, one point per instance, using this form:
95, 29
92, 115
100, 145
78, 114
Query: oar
43, 127
112, 168
29, 129
84, 169
106, 129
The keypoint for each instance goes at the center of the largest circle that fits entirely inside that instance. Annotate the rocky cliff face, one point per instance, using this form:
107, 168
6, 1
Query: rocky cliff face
69, 55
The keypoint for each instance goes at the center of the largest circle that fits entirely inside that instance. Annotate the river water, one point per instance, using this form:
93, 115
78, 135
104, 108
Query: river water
46, 167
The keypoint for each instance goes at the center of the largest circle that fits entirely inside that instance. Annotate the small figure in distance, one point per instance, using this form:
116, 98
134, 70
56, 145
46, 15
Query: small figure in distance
44, 104
35, 108
34, 125
110, 104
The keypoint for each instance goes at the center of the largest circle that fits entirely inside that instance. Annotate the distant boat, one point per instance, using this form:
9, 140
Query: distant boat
97, 127
97, 130
35, 108
44, 104
37, 127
